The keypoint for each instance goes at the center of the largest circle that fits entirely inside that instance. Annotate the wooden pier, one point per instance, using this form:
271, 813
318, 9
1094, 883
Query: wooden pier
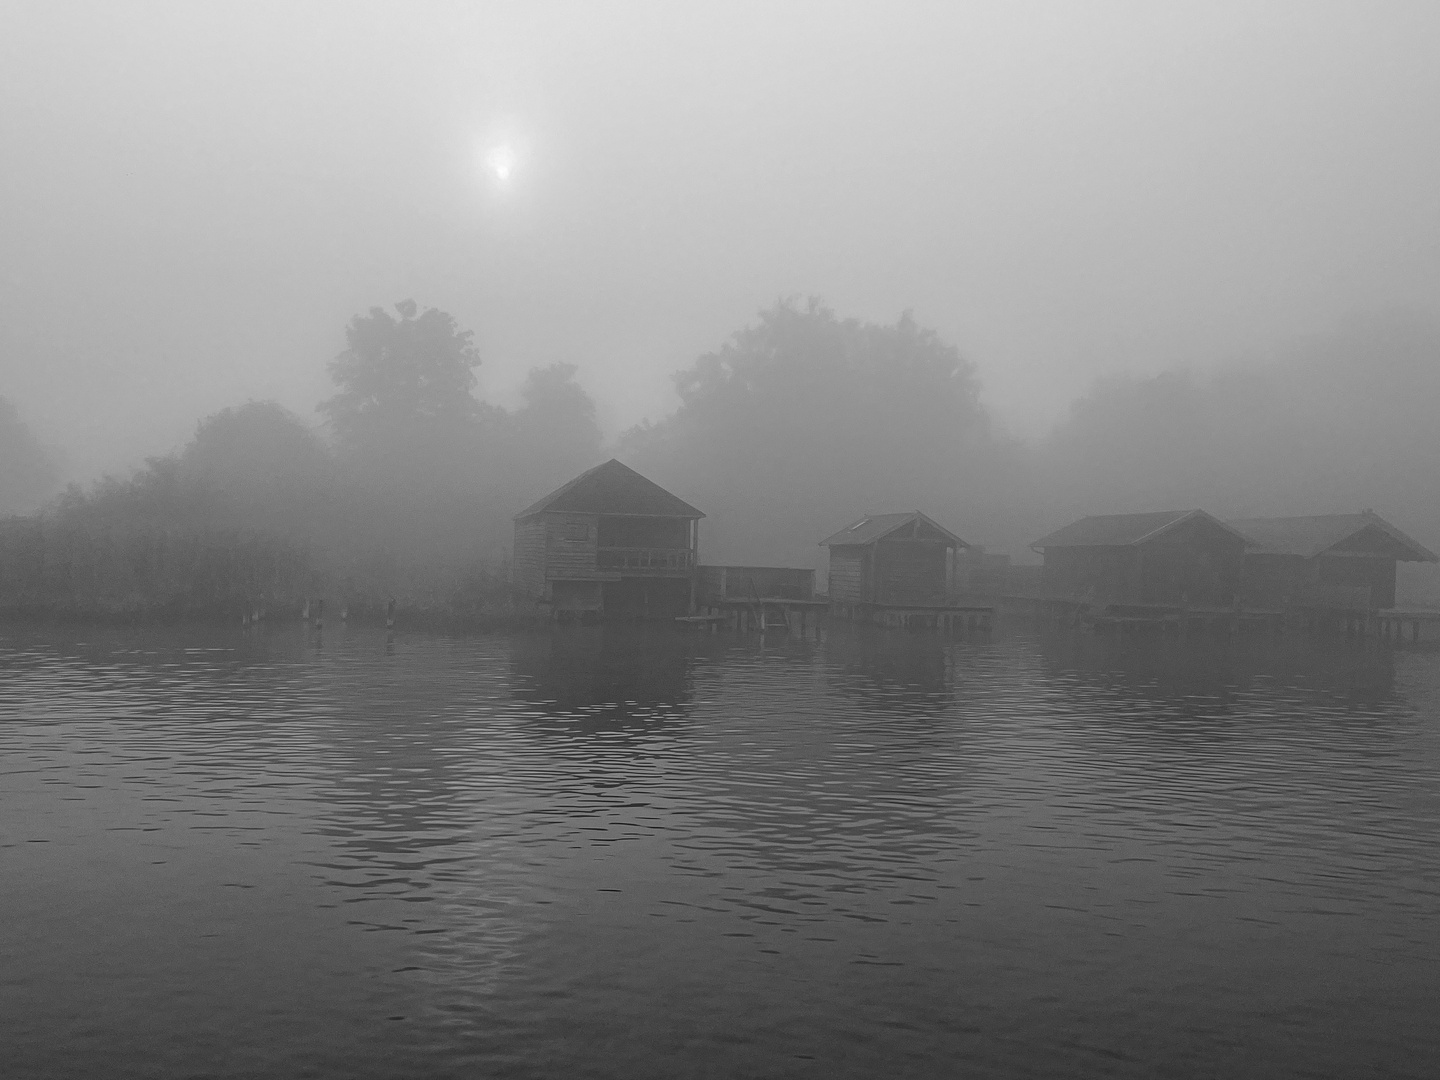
1391, 623
1110, 618
941, 618
1184, 621
759, 614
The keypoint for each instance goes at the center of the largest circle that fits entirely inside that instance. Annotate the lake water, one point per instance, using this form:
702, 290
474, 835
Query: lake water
616, 853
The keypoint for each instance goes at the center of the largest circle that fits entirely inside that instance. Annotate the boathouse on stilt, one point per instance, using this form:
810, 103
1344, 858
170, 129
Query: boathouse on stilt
609, 542
1171, 557
898, 569
1340, 562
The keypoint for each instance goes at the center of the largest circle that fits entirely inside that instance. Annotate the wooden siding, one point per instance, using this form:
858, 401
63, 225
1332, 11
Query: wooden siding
1270, 580
846, 578
911, 572
1078, 572
570, 545
1197, 563
1358, 571
528, 573
622, 531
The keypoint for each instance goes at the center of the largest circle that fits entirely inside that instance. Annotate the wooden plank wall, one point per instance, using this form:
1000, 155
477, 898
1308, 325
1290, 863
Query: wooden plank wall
1360, 571
528, 574
912, 571
845, 576
567, 556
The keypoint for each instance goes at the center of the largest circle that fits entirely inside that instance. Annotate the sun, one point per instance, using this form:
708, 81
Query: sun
501, 161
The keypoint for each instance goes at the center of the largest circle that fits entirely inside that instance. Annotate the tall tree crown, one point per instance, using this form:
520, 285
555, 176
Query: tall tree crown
400, 376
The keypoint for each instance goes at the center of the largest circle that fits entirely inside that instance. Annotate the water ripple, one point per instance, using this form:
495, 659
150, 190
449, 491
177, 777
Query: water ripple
621, 853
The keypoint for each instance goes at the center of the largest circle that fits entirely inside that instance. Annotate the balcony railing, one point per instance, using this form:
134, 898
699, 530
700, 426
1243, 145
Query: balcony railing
646, 559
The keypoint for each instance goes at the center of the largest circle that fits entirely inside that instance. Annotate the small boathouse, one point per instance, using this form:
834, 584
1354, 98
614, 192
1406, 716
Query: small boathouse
608, 542
1342, 562
897, 569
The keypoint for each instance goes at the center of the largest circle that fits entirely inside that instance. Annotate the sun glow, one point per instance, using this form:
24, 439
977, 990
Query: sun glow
501, 161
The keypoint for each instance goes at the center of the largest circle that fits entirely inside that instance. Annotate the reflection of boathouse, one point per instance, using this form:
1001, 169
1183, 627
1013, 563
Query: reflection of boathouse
609, 541
1169, 557
1333, 561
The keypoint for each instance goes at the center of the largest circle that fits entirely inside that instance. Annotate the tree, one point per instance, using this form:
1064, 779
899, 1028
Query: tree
403, 382
804, 420
554, 434
29, 472
257, 446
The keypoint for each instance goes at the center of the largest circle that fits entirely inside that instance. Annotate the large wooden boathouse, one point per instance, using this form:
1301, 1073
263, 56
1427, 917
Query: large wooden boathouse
1171, 557
609, 542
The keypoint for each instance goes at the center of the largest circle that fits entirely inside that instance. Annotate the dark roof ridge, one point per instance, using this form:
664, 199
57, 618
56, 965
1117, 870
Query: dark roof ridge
1311, 534
612, 487
882, 525
1125, 530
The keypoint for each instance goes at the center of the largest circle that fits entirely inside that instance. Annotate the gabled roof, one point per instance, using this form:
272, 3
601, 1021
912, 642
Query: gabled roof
612, 488
1311, 536
1123, 530
878, 526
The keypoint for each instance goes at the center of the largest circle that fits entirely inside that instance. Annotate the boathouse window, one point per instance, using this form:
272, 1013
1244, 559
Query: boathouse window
577, 531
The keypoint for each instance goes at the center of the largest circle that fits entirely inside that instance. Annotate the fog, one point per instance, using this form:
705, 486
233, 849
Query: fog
1067, 259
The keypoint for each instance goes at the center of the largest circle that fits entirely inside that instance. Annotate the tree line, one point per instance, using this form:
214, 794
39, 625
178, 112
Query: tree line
797, 424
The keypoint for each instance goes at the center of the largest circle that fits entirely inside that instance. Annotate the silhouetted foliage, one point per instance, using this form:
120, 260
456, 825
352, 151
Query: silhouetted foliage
403, 384
554, 433
74, 564
803, 421
29, 472
256, 447
799, 423
1336, 424
413, 503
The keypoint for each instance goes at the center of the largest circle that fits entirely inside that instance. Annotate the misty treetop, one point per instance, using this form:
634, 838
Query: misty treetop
803, 420
807, 362
400, 377
411, 496
795, 425
29, 471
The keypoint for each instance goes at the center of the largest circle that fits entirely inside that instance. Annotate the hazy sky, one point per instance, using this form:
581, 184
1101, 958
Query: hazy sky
196, 197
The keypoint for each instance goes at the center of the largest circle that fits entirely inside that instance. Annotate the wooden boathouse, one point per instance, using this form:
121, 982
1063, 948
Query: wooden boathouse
1167, 558
898, 569
1334, 562
609, 542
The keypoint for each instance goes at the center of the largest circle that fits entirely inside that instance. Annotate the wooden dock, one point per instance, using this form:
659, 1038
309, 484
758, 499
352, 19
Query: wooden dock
941, 618
758, 614
1391, 623
1183, 621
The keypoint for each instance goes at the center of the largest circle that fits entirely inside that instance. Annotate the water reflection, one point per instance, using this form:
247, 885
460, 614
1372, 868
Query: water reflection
605, 676
892, 670
626, 853
1359, 670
